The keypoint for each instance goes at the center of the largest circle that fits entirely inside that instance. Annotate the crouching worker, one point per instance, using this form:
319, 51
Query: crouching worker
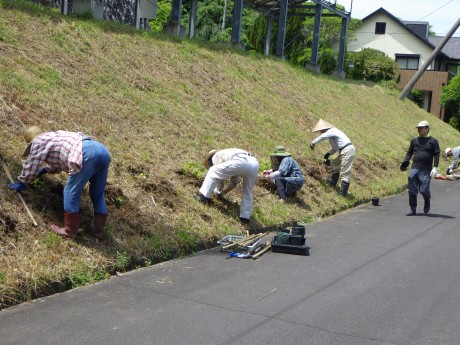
83, 158
229, 163
342, 164
455, 153
285, 173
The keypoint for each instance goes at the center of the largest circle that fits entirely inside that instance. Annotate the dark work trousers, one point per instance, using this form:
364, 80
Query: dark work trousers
280, 183
418, 181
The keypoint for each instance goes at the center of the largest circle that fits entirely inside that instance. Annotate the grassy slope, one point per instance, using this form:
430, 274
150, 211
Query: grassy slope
159, 105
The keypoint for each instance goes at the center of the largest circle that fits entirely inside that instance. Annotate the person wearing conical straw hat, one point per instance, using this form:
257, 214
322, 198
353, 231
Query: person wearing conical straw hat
229, 164
424, 152
84, 159
342, 164
285, 173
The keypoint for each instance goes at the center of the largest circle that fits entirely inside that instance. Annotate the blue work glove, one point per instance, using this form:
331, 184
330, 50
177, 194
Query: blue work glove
18, 187
41, 172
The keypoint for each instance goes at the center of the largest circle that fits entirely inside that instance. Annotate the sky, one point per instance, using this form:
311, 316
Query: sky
441, 14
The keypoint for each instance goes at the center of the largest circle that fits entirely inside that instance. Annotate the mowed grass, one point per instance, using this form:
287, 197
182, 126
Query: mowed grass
160, 104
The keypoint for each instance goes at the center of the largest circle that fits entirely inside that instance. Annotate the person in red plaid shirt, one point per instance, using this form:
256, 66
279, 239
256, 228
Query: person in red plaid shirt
84, 159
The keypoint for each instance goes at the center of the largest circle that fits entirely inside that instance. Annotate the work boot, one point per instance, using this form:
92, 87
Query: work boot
344, 188
426, 206
412, 212
244, 220
97, 226
71, 225
334, 179
201, 198
412, 205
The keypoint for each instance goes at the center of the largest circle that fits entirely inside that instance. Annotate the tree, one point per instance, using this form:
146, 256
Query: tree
164, 8
299, 37
370, 64
450, 100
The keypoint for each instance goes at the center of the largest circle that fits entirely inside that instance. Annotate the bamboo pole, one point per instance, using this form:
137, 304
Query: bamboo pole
238, 242
7, 171
263, 251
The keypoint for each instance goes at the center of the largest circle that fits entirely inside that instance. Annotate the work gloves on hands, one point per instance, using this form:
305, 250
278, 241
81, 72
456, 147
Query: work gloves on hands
327, 161
404, 165
18, 187
449, 170
41, 172
434, 172
312, 146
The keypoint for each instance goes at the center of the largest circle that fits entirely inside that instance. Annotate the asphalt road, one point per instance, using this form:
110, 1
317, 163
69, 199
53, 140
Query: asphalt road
374, 277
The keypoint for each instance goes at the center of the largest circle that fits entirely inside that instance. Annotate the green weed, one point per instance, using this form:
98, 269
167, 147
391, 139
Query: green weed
122, 261
51, 240
87, 275
194, 169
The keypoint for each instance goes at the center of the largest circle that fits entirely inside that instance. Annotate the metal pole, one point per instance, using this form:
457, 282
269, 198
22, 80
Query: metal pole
435, 52
224, 18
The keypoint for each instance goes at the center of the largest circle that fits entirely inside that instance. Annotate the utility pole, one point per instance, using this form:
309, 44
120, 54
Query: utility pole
435, 52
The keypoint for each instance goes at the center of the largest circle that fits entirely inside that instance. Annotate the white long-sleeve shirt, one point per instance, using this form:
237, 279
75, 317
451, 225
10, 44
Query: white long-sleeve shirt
337, 139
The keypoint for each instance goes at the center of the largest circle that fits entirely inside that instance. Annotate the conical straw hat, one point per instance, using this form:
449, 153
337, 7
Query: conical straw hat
207, 164
322, 125
29, 135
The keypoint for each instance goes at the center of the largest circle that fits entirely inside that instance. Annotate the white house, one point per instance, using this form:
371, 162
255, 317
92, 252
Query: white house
409, 43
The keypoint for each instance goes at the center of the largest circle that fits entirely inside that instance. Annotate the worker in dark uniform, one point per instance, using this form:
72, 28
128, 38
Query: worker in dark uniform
424, 151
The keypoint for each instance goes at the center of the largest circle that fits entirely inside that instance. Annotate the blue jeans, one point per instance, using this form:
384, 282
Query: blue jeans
419, 181
96, 160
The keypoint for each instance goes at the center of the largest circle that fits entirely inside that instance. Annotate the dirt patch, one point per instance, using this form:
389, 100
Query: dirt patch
189, 178
7, 223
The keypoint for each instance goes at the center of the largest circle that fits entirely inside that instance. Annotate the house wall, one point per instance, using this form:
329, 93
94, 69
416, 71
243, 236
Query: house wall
430, 81
396, 39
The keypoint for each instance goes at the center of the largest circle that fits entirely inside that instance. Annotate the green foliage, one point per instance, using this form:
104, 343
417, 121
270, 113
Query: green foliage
450, 95
164, 8
37, 183
187, 240
122, 261
87, 15
328, 61
390, 84
454, 122
194, 169
370, 64
450, 99
119, 200
264, 164
299, 38
209, 18
87, 275
51, 240
2, 277
416, 96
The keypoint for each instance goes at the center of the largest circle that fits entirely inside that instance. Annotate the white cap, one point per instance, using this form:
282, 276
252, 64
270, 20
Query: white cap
447, 151
423, 124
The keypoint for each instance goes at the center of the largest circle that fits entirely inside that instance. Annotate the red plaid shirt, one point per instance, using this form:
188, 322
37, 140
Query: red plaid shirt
61, 151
